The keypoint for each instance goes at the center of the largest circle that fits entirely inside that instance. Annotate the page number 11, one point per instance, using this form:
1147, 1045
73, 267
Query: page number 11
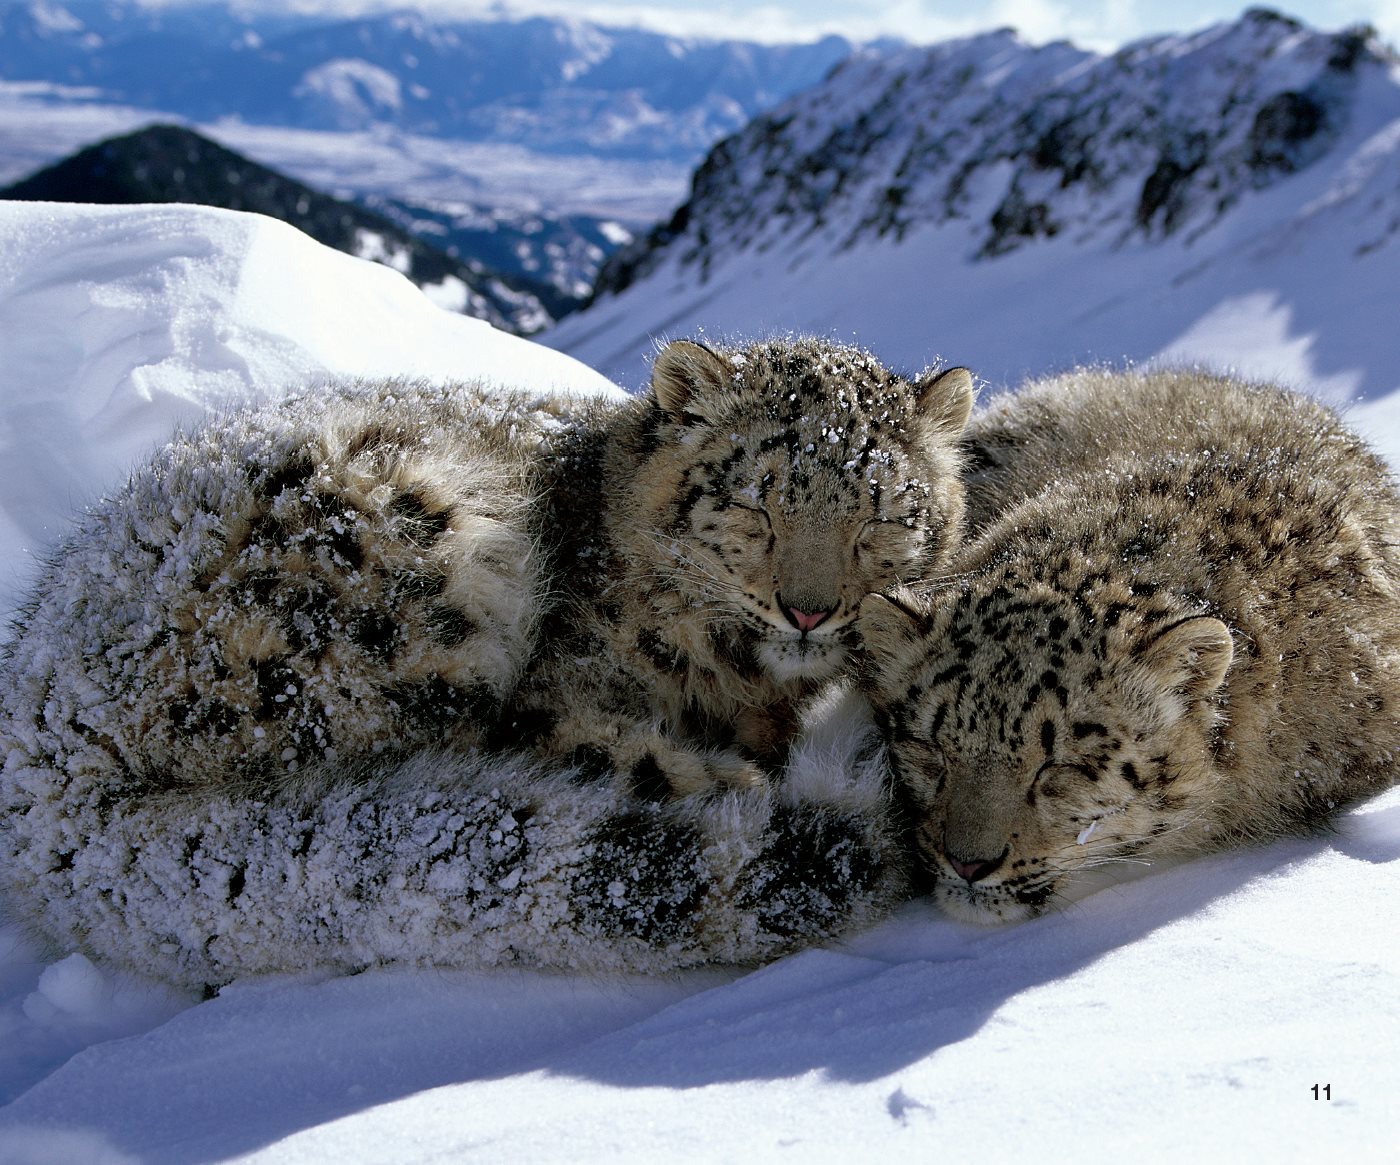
1322, 1091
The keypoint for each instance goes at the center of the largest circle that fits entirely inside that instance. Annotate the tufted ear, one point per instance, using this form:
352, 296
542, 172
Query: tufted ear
1190, 657
889, 625
945, 400
684, 369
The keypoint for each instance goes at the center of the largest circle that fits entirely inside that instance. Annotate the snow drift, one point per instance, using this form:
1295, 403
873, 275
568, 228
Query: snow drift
118, 324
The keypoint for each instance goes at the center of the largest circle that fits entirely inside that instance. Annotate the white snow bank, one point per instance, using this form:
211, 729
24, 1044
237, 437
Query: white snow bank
117, 323
1187, 1014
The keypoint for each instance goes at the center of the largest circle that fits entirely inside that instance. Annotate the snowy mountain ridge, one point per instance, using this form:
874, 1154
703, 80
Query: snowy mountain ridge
1229, 196
530, 146
1022, 143
173, 164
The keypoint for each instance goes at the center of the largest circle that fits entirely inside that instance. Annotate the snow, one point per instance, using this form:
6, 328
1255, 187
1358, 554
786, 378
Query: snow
1302, 306
1295, 280
41, 123
353, 91
1188, 1010
118, 324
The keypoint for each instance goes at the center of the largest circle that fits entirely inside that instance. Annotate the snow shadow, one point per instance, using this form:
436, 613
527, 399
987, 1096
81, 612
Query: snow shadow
1371, 836
267, 1060
916, 986
270, 1059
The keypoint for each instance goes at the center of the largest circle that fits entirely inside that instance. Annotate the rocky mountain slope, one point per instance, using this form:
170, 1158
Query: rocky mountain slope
1022, 143
985, 197
167, 163
562, 251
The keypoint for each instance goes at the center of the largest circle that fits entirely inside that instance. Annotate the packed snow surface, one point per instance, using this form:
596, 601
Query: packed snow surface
1241, 1007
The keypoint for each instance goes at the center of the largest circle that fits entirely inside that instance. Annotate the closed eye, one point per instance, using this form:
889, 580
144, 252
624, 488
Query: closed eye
887, 538
886, 526
1052, 769
749, 520
923, 761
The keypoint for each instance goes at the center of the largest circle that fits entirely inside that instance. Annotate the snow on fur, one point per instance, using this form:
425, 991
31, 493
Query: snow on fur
440, 859
201, 810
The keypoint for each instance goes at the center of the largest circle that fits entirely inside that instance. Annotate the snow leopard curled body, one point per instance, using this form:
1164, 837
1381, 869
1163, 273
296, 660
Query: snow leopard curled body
1177, 630
459, 618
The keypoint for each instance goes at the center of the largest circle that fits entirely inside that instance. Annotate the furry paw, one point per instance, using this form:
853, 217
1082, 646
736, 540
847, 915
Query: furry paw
645, 761
680, 772
655, 767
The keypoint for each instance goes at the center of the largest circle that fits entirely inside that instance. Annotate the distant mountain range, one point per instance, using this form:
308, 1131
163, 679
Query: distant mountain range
550, 84
1021, 143
1020, 208
562, 89
167, 163
561, 252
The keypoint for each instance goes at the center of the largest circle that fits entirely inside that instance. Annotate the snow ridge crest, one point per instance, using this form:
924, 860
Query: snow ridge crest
1022, 143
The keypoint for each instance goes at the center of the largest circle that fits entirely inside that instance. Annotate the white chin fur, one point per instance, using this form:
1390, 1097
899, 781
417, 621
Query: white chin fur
966, 904
799, 659
837, 757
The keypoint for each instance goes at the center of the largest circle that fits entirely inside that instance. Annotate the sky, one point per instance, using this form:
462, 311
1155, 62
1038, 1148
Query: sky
1100, 24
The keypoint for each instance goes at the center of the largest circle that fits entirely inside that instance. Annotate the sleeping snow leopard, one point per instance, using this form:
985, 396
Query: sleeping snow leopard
645, 589
243, 709
742, 512
1178, 629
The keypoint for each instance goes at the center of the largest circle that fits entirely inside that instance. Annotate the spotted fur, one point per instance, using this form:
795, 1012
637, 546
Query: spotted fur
746, 507
324, 578
634, 599
1179, 629
447, 859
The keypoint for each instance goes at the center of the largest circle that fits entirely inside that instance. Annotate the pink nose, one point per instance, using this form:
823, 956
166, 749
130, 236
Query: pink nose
975, 871
808, 620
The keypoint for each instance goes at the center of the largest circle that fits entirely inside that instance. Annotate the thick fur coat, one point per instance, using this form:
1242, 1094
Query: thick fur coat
414, 672
1178, 629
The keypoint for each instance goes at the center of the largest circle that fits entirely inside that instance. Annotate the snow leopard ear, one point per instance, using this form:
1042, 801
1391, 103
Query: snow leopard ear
683, 371
1191, 656
945, 400
889, 625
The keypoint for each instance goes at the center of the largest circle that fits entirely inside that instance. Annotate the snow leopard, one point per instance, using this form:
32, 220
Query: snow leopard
743, 511
1176, 629
298, 606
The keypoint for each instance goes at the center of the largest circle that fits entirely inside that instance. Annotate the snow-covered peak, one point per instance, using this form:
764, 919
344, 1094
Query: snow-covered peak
1229, 195
1025, 142
350, 92
541, 82
52, 18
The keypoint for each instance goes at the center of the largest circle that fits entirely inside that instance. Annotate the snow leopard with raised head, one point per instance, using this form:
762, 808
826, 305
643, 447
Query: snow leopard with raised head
335, 611
1178, 629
